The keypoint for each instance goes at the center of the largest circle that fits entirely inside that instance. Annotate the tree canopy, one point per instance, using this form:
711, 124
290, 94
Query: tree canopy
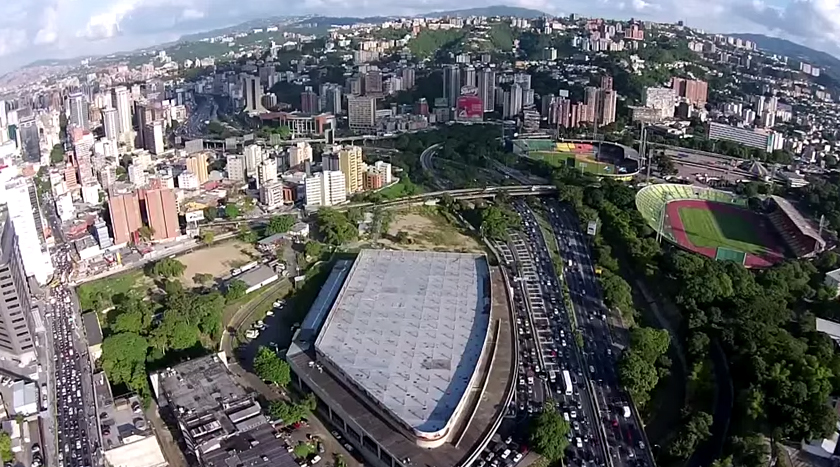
270, 367
335, 227
168, 268
280, 224
548, 433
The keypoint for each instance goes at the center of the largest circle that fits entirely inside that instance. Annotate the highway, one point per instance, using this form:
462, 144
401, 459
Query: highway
555, 338
619, 423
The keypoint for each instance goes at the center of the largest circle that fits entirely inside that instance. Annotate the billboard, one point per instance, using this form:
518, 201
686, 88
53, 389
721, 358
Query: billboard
469, 108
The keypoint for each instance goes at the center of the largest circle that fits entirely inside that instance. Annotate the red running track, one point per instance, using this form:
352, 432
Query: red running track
774, 250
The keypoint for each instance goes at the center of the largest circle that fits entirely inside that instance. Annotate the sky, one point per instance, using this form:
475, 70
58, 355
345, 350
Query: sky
41, 29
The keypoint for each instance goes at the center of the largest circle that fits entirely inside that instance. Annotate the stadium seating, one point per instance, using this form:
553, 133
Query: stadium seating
584, 148
800, 244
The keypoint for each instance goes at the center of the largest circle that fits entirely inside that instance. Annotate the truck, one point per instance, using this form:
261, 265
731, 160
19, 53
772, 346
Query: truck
571, 263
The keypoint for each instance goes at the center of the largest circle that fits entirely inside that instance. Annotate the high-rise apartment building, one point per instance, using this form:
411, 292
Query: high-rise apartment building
197, 164
236, 167
591, 101
694, 91
300, 153
451, 84
160, 210
124, 211
253, 92
361, 112
408, 77
469, 76
662, 100
373, 82
29, 222
271, 194
606, 82
79, 112
122, 101
513, 101
331, 98
254, 156
309, 101
153, 140
351, 164
325, 188
487, 88
609, 99
266, 172
16, 340
110, 120
144, 114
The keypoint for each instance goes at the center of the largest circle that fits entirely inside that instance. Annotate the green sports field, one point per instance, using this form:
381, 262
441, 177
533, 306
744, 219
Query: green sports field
558, 159
707, 228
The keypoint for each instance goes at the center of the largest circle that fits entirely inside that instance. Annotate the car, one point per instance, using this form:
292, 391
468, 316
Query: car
578, 443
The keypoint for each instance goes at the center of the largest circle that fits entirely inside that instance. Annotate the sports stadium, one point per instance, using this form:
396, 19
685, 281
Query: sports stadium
719, 225
602, 159
394, 348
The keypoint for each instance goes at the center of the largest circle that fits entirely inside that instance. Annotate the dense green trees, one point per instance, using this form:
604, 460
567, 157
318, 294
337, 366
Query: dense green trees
639, 369
270, 367
6, 453
548, 433
235, 290
292, 412
495, 222
429, 41
280, 224
168, 268
335, 227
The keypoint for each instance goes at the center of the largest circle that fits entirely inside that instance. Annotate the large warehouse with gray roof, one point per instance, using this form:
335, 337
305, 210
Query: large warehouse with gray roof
394, 345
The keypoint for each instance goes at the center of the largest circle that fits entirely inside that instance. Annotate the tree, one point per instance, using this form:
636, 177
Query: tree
236, 289
202, 278
246, 234
270, 367
211, 213
402, 237
146, 232
207, 237
289, 413
168, 268
232, 211
57, 154
124, 360
6, 454
637, 368
695, 430
496, 221
313, 249
335, 228
132, 315
548, 434
280, 224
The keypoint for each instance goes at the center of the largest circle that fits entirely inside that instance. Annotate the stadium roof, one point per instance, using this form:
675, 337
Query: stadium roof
758, 169
801, 223
409, 328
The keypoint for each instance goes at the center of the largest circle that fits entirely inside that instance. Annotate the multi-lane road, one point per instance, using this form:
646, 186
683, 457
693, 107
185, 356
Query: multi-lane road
617, 421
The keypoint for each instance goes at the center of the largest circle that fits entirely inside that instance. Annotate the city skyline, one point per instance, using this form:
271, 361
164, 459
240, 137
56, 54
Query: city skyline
31, 31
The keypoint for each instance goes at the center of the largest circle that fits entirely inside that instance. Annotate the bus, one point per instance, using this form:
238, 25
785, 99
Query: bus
567, 380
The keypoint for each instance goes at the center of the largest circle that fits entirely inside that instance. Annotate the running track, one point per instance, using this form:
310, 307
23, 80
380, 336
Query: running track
774, 251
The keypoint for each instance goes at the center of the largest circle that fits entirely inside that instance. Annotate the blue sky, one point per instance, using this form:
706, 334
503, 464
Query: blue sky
38, 29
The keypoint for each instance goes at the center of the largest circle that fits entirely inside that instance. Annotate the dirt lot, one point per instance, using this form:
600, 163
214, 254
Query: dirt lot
427, 230
216, 260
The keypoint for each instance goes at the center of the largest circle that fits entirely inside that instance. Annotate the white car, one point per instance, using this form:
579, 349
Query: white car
578, 443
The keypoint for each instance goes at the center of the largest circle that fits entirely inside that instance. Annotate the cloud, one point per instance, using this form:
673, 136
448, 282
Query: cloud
34, 29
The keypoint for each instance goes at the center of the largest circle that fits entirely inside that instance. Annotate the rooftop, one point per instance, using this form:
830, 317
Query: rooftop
409, 328
256, 276
92, 329
798, 219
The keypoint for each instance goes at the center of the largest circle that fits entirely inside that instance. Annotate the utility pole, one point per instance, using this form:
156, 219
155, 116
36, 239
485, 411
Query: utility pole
644, 152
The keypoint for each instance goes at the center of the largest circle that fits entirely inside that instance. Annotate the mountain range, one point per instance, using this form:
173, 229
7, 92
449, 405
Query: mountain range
777, 46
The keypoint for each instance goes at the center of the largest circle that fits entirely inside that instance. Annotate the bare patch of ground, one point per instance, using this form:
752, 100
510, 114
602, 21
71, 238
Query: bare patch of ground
426, 229
216, 260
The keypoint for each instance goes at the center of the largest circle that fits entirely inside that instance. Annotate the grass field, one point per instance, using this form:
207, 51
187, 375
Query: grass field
588, 165
706, 228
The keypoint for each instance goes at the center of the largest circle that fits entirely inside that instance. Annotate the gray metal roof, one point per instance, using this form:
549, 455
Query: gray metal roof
408, 328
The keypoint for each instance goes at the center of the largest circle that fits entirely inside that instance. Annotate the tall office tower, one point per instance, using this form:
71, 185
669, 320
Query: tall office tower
252, 91
325, 188
361, 112
351, 164
16, 341
512, 104
607, 82
122, 101
373, 82
235, 167
308, 101
160, 210
79, 116
266, 172
143, 115
591, 100
30, 139
331, 98
300, 153
153, 139
608, 103
110, 120
469, 76
197, 164
253, 158
451, 84
408, 76
29, 222
487, 88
